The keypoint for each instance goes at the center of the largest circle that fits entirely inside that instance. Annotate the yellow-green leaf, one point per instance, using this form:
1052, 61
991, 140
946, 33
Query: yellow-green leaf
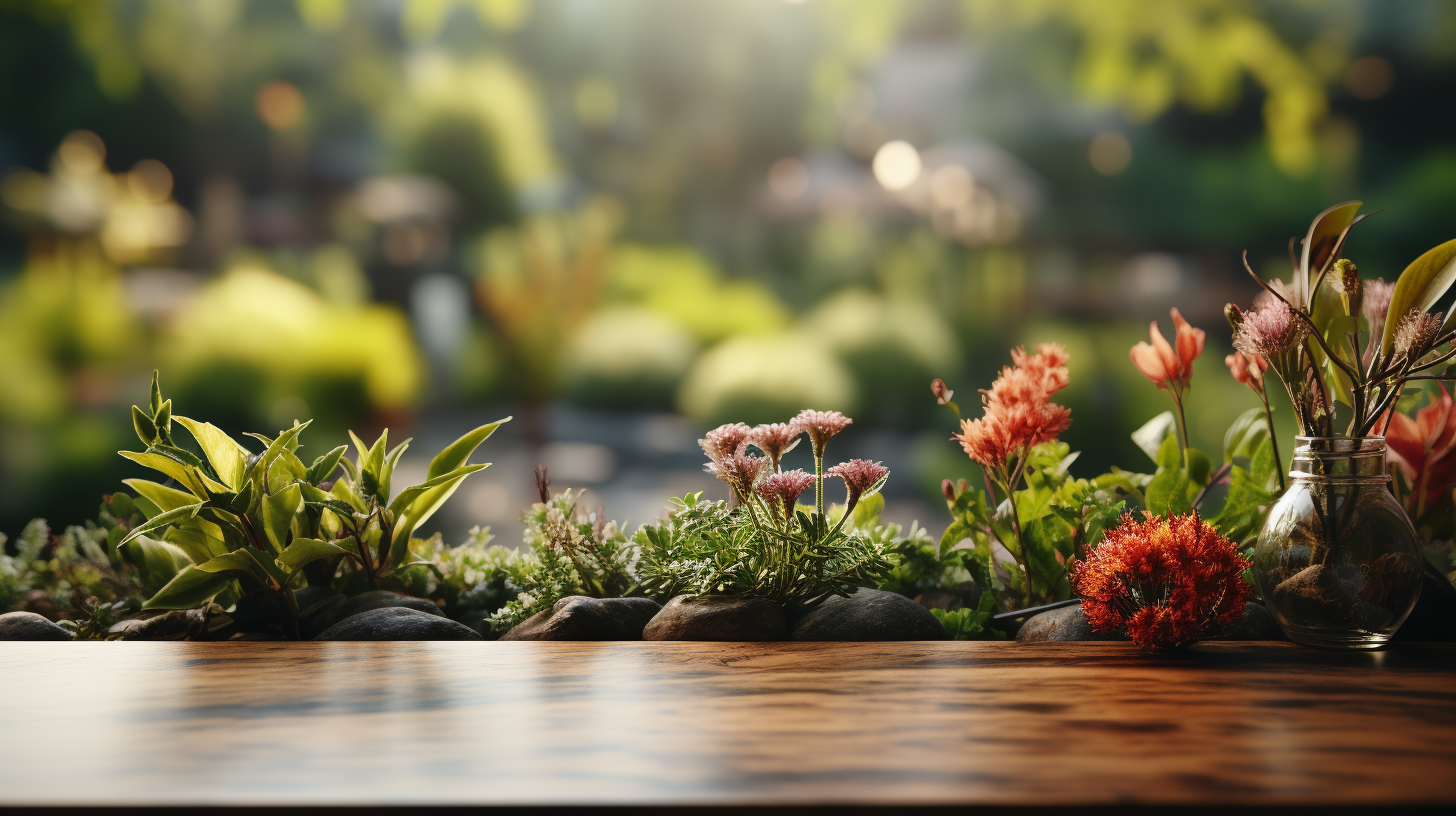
227, 457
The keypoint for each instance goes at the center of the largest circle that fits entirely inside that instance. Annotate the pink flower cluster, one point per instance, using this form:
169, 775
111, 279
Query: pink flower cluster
1019, 410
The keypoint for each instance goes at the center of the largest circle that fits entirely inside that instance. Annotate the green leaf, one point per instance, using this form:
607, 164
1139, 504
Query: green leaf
867, 512
157, 561
278, 512
307, 550
235, 561
456, 453
1199, 467
165, 498
1151, 435
162, 520
386, 471
1251, 493
1420, 287
421, 508
407, 496
197, 540
1167, 493
323, 467
1169, 454
146, 430
185, 475
1243, 437
227, 457
156, 402
190, 588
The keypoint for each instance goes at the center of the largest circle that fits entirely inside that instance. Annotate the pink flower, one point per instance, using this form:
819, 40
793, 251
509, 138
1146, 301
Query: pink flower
1169, 366
782, 490
775, 440
1270, 331
820, 426
725, 440
741, 471
859, 475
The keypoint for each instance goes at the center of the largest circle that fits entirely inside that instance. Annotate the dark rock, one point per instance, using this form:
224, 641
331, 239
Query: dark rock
384, 599
398, 623
869, 614
581, 618
477, 619
1256, 623
29, 626
1434, 617
1061, 625
318, 609
730, 619
260, 612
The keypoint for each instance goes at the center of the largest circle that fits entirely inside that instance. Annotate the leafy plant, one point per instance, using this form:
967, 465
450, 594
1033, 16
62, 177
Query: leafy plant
1310, 329
250, 523
970, 624
571, 552
55, 575
764, 544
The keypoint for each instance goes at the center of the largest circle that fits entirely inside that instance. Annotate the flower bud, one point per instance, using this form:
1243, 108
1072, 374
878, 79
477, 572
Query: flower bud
1346, 278
942, 394
947, 487
1233, 314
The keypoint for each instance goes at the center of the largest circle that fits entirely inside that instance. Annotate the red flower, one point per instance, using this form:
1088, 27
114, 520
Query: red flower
1163, 364
1019, 410
1422, 448
1168, 580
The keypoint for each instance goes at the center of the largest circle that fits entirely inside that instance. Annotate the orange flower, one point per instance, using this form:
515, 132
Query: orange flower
1422, 448
1019, 411
1169, 366
1248, 369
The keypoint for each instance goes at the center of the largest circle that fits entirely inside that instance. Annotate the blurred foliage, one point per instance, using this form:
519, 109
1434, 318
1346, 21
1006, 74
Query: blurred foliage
604, 176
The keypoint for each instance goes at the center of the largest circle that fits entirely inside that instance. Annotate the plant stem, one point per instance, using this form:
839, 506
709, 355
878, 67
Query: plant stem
1182, 427
1016, 523
1273, 441
819, 481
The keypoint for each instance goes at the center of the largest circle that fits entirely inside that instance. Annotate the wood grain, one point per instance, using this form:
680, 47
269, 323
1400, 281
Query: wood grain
683, 723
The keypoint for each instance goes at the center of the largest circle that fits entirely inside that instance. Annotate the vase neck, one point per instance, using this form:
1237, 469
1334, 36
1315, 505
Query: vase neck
1339, 457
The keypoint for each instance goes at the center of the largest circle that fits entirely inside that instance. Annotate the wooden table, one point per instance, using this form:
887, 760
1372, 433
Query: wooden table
683, 723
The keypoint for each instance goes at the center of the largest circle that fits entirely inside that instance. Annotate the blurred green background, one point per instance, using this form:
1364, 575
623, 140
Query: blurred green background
627, 220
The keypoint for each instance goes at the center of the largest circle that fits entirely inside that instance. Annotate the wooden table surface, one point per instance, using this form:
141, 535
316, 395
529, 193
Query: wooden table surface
683, 723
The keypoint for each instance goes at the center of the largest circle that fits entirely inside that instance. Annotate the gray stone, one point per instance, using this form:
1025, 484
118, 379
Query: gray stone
1061, 625
1256, 623
1434, 616
384, 599
728, 619
398, 623
30, 626
318, 609
869, 614
580, 618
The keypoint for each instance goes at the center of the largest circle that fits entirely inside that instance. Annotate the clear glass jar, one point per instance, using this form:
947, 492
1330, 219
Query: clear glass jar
1338, 562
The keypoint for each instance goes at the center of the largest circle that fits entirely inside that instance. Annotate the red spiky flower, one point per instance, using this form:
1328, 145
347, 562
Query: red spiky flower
1169, 580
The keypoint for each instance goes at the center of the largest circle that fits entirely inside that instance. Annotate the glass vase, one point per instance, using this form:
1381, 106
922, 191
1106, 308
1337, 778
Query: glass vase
1338, 562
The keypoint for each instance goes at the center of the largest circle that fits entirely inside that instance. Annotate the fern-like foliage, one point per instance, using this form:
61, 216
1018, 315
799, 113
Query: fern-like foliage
706, 548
